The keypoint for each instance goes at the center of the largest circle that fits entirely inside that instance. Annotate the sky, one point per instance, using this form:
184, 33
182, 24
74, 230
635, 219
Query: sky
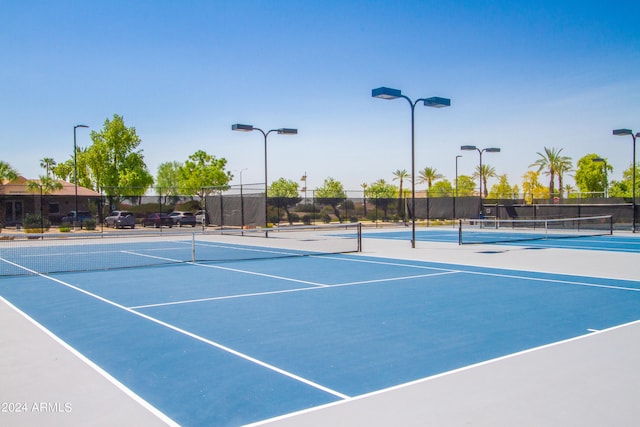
521, 76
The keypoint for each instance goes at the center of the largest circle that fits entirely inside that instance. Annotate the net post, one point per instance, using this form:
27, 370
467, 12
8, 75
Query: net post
459, 232
546, 229
193, 247
611, 225
359, 228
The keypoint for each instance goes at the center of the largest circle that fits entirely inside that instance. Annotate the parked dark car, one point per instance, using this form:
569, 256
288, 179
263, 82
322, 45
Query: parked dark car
81, 217
183, 218
120, 219
157, 220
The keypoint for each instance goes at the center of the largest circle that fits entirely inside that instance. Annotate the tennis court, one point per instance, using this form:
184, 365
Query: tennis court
203, 342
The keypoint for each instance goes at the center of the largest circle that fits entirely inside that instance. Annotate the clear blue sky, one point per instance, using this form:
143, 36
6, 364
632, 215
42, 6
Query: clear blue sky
521, 76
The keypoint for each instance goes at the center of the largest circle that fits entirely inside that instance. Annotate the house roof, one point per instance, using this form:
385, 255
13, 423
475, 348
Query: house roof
19, 187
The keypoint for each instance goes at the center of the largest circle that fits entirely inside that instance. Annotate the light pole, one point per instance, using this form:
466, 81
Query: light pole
281, 131
480, 151
75, 172
241, 201
623, 132
455, 190
606, 180
436, 102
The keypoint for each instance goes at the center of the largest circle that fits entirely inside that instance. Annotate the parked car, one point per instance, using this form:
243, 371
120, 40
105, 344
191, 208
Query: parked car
157, 220
183, 218
120, 219
202, 217
71, 217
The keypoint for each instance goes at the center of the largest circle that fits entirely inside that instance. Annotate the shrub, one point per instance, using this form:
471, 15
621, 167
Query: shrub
326, 218
89, 224
35, 222
294, 217
64, 229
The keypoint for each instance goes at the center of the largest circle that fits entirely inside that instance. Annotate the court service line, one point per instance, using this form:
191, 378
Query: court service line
194, 336
236, 270
286, 291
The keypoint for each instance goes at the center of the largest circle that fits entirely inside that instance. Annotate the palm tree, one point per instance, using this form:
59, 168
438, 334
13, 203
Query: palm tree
47, 164
564, 166
6, 173
428, 175
484, 174
364, 186
554, 163
400, 175
45, 185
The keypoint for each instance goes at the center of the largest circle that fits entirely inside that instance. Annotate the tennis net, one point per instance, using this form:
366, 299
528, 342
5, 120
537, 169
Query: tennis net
477, 231
39, 254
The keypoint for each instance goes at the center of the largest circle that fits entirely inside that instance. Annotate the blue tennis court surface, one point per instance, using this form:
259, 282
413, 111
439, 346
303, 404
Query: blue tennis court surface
618, 242
239, 342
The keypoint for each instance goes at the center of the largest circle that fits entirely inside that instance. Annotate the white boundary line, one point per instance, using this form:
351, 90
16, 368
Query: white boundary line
149, 407
433, 377
194, 336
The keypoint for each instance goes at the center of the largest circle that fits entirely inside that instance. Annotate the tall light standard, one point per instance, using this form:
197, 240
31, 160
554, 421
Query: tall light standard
480, 151
436, 102
623, 132
281, 131
606, 180
75, 171
455, 191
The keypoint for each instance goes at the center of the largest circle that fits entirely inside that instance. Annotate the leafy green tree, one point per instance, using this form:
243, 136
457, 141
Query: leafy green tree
531, 188
624, 188
484, 174
332, 193
167, 179
441, 188
203, 174
400, 175
114, 162
380, 193
502, 190
466, 185
590, 176
64, 170
284, 193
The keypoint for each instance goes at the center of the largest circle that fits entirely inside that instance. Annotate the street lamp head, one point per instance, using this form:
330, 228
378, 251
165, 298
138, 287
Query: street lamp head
386, 93
468, 147
622, 132
80, 126
598, 160
437, 102
242, 128
492, 150
286, 131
